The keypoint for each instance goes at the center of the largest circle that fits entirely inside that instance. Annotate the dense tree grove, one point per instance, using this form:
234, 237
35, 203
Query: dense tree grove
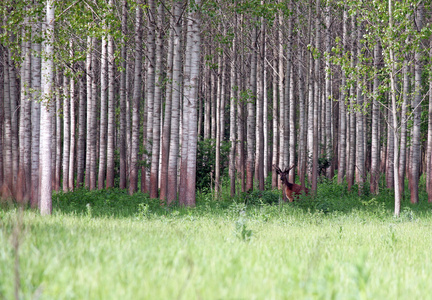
118, 93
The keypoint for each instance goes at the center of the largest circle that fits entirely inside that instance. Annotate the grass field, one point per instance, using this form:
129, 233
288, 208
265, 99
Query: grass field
107, 245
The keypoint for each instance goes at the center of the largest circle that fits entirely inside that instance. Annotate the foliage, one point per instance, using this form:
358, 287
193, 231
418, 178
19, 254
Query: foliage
206, 159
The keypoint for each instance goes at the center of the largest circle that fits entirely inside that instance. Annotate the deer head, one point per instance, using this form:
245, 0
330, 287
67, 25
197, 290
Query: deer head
283, 174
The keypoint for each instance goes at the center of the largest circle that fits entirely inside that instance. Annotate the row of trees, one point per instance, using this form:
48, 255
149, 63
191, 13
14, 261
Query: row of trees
332, 87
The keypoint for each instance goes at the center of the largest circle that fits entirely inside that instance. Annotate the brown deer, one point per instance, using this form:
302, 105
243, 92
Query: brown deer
290, 189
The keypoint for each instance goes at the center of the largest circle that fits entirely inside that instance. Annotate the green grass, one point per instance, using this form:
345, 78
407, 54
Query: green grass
108, 245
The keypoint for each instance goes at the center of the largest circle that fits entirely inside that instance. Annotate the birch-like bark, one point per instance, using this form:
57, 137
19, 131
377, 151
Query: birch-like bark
88, 110
71, 168
133, 179
165, 139
375, 137
35, 114
58, 120
24, 173
151, 79
316, 100
342, 106
124, 113
328, 98
66, 133
93, 117
81, 132
155, 153
403, 129
7, 188
429, 138
416, 103
360, 157
176, 100
251, 112
233, 98
259, 130
275, 114
111, 110
45, 204
103, 114
220, 78
394, 125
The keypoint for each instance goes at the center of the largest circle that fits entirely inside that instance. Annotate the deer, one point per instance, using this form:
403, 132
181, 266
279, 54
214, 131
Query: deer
290, 189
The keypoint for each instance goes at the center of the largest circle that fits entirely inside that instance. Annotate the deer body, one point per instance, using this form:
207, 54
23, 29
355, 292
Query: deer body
290, 189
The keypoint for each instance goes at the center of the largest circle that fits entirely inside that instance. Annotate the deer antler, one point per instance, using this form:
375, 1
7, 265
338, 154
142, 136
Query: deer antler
289, 169
278, 170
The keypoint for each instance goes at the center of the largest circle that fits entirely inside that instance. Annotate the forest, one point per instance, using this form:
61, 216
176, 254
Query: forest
168, 97
148, 149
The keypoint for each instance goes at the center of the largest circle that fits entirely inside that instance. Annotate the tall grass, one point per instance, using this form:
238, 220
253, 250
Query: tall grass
108, 245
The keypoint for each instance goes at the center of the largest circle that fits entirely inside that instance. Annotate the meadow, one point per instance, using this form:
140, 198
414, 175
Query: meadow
108, 245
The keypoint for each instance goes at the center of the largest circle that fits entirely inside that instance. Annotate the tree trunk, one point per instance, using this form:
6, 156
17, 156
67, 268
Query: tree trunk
35, 114
72, 135
46, 117
111, 111
24, 173
154, 172
375, 138
103, 115
133, 179
176, 100
124, 113
233, 98
190, 112
416, 104
251, 113
151, 79
66, 133
81, 133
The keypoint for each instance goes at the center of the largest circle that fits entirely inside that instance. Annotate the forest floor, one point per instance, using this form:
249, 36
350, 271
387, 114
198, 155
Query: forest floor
108, 245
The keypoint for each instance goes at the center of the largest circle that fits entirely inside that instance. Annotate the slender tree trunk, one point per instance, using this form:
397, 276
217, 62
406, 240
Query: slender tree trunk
429, 138
103, 115
66, 133
88, 110
7, 189
24, 174
328, 97
342, 107
46, 117
275, 114
403, 130
72, 135
220, 78
93, 117
151, 79
176, 100
167, 114
316, 120
394, 124
259, 152
233, 98
81, 133
124, 113
35, 114
251, 112
375, 138
111, 111
190, 112
133, 179
360, 157
154, 172
416, 138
